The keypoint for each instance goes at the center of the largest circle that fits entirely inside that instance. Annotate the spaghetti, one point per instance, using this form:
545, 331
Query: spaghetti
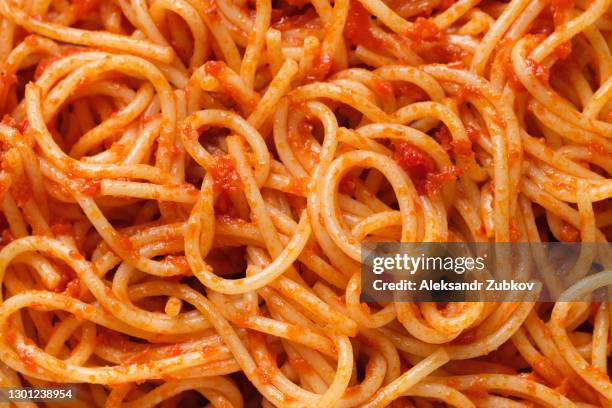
185, 185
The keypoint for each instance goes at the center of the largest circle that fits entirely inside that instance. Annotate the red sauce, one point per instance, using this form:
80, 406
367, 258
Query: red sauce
224, 208
190, 133
477, 390
424, 30
569, 233
225, 176
62, 228
124, 242
31, 40
347, 185
7, 80
214, 68
69, 282
179, 262
211, 11
462, 147
9, 121
23, 126
263, 376
7, 236
560, 10
298, 185
466, 91
382, 87
563, 51
564, 387
27, 357
4, 163
597, 149
513, 80
91, 187
401, 402
82, 7
22, 191
358, 27
411, 90
417, 164
544, 24
539, 71
175, 350
321, 66
173, 151
73, 288
302, 141
444, 138
449, 53
445, 4
472, 132
437, 180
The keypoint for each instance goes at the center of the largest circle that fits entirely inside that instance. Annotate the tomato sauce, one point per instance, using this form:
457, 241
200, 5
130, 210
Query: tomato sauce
472, 132
177, 261
27, 357
449, 53
423, 30
321, 66
563, 51
7, 80
444, 138
513, 80
422, 169
462, 147
298, 185
417, 164
62, 228
224, 208
569, 234
82, 7
347, 185
7, 236
69, 282
466, 91
225, 176
560, 10
175, 350
124, 242
477, 390
382, 87
541, 72
214, 68
409, 89
435, 181
73, 288
358, 28
91, 187
22, 191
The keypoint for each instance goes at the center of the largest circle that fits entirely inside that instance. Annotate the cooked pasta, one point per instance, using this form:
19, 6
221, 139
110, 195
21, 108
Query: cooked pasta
185, 185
